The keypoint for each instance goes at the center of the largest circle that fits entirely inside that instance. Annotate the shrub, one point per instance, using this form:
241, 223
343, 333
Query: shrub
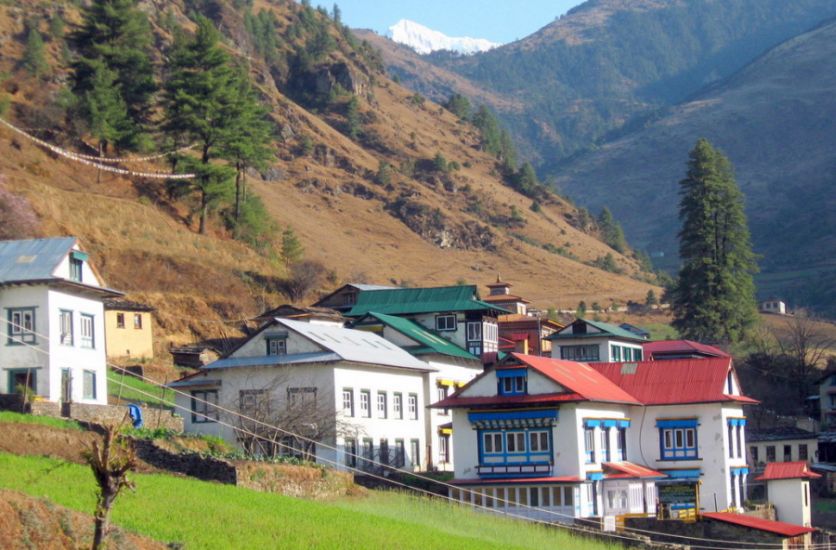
304, 277
19, 220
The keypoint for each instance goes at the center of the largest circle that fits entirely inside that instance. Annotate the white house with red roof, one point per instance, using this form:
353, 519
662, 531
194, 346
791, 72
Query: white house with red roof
788, 489
560, 439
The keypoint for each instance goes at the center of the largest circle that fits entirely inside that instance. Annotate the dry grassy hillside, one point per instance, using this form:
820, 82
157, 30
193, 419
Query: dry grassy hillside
421, 227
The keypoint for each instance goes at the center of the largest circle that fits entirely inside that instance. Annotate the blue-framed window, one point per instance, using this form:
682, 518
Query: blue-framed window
21, 326
589, 444
512, 382
678, 439
526, 446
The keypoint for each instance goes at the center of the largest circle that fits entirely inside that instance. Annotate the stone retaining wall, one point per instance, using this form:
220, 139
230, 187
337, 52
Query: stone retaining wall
113, 414
195, 465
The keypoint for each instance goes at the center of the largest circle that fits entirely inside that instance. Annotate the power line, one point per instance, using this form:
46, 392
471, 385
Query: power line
753, 545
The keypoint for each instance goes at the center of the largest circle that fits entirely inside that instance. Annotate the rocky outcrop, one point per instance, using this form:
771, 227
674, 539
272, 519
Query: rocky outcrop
432, 225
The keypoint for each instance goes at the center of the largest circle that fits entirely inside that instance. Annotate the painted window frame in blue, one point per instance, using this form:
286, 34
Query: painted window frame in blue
678, 439
512, 382
505, 444
589, 444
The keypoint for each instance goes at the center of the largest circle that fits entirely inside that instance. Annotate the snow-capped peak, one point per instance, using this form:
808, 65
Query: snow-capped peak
424, 40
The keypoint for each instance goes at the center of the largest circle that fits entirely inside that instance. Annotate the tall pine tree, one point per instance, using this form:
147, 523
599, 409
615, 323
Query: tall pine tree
116, 34
104, 109
202, 106
247, 142
714, 296
34, 58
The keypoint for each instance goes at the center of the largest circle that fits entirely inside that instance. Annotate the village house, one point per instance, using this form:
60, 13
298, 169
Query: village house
661, 350
774, 305
590, 440
784, 444
54, 329
788, 489
296, 382
592, 341
128, 330
827, 399
345, 297
452, 366
454, 312
523, 330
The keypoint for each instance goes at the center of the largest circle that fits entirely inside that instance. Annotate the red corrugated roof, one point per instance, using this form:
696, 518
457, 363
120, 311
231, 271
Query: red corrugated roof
777, 527
684, 346
453, 401
503, 481
787, 470
672, 382
630, 470
579, 378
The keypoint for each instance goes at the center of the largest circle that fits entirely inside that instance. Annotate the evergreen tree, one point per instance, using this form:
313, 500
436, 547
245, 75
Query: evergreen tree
117, 33
650, 299
525, 180
34, 59
488, 127
352, 117
247, 143
202, 106
611, 231
337, 15
104, 109
459, 105
714, 296
292, 250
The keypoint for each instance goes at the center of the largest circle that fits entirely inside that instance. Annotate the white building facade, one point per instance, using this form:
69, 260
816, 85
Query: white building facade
343, 397
575, 440
54, 336
593, 341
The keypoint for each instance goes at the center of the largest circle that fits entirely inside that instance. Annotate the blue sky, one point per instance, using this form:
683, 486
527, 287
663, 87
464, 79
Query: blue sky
496, 20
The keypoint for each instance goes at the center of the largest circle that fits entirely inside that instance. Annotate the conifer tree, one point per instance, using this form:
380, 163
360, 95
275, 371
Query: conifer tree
611, 231
352, 117
248, 140
714, 296
34, 59
104, 109
202, 106
459, 105
116, 33
292, 250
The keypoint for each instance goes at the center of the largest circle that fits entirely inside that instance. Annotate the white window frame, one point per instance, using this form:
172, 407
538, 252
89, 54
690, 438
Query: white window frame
413, 406
446, 322
365, 404
276, 346
441, 392
88, 383
474, 331
87, 340
348, 401
382, 411
397, 405
65, 324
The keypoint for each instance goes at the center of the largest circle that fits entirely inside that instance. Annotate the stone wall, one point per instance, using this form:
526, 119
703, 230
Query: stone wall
705, 529
191, 464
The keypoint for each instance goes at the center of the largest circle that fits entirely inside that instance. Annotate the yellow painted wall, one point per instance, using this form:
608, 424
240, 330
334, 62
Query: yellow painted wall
129, 341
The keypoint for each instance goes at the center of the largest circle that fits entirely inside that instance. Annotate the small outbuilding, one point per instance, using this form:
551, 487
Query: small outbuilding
788, 488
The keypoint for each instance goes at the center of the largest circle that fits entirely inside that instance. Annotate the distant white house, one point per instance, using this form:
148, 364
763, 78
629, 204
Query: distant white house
347, 389
774, 305
53, 330
590, 440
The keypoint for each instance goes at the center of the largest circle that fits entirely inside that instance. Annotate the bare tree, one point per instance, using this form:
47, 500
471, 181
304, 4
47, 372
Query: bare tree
304, 277
286, 417
807, 344
110, 460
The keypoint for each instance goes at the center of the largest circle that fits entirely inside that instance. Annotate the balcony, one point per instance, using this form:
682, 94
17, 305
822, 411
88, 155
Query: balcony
512, 469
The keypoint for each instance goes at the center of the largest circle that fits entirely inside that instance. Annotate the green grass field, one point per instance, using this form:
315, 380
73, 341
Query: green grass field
20, 418
209, 515
132, 388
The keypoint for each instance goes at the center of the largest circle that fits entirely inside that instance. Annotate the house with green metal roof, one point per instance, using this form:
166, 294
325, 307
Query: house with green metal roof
453, 367
595, 341
456, 313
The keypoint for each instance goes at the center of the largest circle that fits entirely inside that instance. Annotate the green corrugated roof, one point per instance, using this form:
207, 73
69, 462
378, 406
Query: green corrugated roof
403, 301
431, 343
613, 330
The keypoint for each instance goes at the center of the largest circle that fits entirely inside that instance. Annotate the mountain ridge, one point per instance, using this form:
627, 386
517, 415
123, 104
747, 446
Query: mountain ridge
424, 40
